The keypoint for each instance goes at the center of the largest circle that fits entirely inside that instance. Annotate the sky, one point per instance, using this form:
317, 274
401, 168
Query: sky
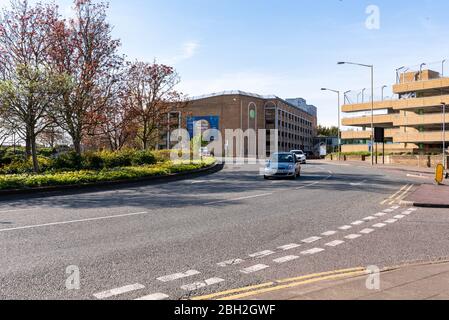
288, 48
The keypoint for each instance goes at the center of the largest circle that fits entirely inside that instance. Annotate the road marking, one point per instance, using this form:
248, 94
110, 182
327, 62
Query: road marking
403, 195
334, 243
379, 225
256, 268
73, 221
353, 236
381, 214
357, 223
317, 182
154, 297
407, 213
286, 259
344, 228
389, 210
394, 195
202, 284
358, 183
399, 216
17, 210
238, 199
417, 176
261, 254
118, 291
178, 276
391, 221
311, 240
367, 231
369, 218
289, 247
395, 207
413, 209
230, 263
329, 233
312, 251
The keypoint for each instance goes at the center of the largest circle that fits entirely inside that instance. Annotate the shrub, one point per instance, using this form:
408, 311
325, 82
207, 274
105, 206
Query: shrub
68, 161
117, 159
22, 166
93, 161
140, 158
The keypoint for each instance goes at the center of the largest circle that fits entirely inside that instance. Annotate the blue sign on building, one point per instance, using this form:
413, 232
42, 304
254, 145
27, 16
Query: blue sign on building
207, 122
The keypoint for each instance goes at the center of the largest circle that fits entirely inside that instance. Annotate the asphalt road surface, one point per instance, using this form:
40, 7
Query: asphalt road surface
223, 231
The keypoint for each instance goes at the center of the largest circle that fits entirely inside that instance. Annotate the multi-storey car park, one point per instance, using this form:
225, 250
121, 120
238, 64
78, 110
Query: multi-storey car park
414, 117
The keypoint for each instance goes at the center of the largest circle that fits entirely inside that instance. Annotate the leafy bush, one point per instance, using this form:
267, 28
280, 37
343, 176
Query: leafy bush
22, 181
68, 161
93, 161
140, 158
22, 166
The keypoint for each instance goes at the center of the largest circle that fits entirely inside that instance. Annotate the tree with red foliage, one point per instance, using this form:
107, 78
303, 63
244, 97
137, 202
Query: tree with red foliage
151, 95
83, 48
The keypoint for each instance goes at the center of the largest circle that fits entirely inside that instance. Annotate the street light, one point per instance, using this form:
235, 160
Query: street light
346, 96
363, 95
420, 70
442, 68
383, 88
443, 104
372, 102
339, 131
398, 79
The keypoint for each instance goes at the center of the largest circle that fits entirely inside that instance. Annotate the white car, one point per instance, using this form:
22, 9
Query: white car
300, 155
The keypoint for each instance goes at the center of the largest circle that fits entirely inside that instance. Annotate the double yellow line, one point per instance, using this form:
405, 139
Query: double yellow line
401, 194
250, 291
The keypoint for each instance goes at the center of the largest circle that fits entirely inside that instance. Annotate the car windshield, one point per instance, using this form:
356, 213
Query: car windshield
282, 158
298, 152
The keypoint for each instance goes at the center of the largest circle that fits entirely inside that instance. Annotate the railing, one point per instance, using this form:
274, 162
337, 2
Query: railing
421, 72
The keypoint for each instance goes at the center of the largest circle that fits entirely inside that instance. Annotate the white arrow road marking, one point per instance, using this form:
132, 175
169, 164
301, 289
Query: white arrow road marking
118, 291
202, 284
256, 268
154, 297
178, 276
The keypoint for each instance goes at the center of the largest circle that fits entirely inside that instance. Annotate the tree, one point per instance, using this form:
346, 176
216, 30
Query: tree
83, 49
27, 87
327, 131
151, 96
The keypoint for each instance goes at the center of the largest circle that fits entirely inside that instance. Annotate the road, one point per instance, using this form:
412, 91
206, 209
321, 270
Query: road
223, 231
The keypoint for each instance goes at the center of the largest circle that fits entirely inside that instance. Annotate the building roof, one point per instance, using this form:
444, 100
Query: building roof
291, 102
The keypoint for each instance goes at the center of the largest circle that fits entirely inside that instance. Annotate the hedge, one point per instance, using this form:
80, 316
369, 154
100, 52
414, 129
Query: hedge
24, 181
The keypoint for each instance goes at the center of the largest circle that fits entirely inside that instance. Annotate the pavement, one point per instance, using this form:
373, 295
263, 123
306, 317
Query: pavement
201, 236
432, 196
425, 281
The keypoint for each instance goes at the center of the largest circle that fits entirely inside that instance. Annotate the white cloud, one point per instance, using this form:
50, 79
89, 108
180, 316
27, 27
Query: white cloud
189, 49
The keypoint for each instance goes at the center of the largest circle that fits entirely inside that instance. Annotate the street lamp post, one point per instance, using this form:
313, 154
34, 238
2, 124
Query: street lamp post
442, 68
443, 104
383, 88
346, 97
372, 103
363, 95
339, 120
420, 70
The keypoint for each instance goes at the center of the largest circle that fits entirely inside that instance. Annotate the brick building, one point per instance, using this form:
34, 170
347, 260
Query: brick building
295, 120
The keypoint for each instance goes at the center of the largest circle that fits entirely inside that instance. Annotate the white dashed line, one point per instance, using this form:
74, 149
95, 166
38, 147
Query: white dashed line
389, 210
118, 291
369, 218
329, 233
256, 268
344, 228
407, 213
380, 214
311, 239
367, 231
230, 263
178, 276
379, 225
395, 207
391, 221
334, 243
399, 216
413, 209
353, 236
261, 254
238, 199
289, 247
154, 297
357, 223
286, 259
312, 251
198, 285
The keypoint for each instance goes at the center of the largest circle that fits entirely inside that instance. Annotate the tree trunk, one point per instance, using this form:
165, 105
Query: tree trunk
34, 153
27, 144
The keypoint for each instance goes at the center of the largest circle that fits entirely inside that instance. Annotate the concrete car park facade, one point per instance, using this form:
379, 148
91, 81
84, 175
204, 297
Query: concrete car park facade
413, 118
